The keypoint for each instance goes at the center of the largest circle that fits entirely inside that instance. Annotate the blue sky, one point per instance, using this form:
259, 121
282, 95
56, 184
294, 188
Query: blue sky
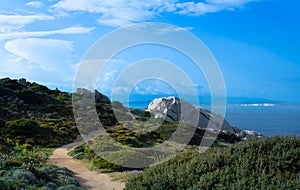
255, 42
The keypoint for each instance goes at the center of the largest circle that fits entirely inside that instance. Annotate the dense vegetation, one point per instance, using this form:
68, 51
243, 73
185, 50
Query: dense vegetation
36, 115
32, 118
25, 168
38, 132
141, 135
270, 163
112, 152
22, 99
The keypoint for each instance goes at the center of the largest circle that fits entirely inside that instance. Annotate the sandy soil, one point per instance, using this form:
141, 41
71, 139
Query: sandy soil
87, 179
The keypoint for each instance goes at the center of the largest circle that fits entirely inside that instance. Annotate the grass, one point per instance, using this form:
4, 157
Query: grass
121, 176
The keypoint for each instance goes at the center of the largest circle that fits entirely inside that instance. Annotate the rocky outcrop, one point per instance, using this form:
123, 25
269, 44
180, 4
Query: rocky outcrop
175, 109
247, 134
23, 81
100, 98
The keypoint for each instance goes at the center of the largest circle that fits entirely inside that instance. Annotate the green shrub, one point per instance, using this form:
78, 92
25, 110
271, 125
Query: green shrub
4, 91
30, 97
29, 171
40, 132
105, 166
271, 163
10, 84
143, 116
117, 105
22, 127
128, 158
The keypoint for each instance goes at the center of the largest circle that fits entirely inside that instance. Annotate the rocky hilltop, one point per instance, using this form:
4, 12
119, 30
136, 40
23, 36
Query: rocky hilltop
174, 109
21, 99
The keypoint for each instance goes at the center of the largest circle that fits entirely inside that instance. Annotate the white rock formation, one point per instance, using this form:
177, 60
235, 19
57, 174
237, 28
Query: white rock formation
174, 109
247, 134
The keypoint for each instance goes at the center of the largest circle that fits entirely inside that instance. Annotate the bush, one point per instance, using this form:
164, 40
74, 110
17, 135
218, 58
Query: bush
39, 132
29, 171
22, 127
271, 163
105, 166
10, 84
128, 158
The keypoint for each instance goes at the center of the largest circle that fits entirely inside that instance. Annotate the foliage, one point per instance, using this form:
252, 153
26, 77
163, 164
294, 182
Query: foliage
21, 168
83, 151
105, 166
271, 163
39, 132
133, 135
32, 100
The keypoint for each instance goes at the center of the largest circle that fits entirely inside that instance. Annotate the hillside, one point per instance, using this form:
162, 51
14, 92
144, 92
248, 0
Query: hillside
32, 119
22, 99
270, 163
33, 114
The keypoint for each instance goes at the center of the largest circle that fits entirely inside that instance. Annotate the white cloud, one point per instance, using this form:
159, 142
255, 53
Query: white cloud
35, 4
209, 6
110, 74
199, 88
106, 80
114, 12
229, 3
48, 54
191, 8
124, 12
14, 22
153, 90
169, 29
12, 65
69, 30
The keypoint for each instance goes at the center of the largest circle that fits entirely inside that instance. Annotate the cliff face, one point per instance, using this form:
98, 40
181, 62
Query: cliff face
175, 109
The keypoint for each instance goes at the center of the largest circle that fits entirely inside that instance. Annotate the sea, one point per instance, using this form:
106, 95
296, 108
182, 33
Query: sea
269, 119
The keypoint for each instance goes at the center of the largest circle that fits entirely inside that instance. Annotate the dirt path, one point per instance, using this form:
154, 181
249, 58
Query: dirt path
87, 179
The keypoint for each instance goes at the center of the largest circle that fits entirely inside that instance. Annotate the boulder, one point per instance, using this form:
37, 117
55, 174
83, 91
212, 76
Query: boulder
247, 134
174, 109
22, 81
100, 98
